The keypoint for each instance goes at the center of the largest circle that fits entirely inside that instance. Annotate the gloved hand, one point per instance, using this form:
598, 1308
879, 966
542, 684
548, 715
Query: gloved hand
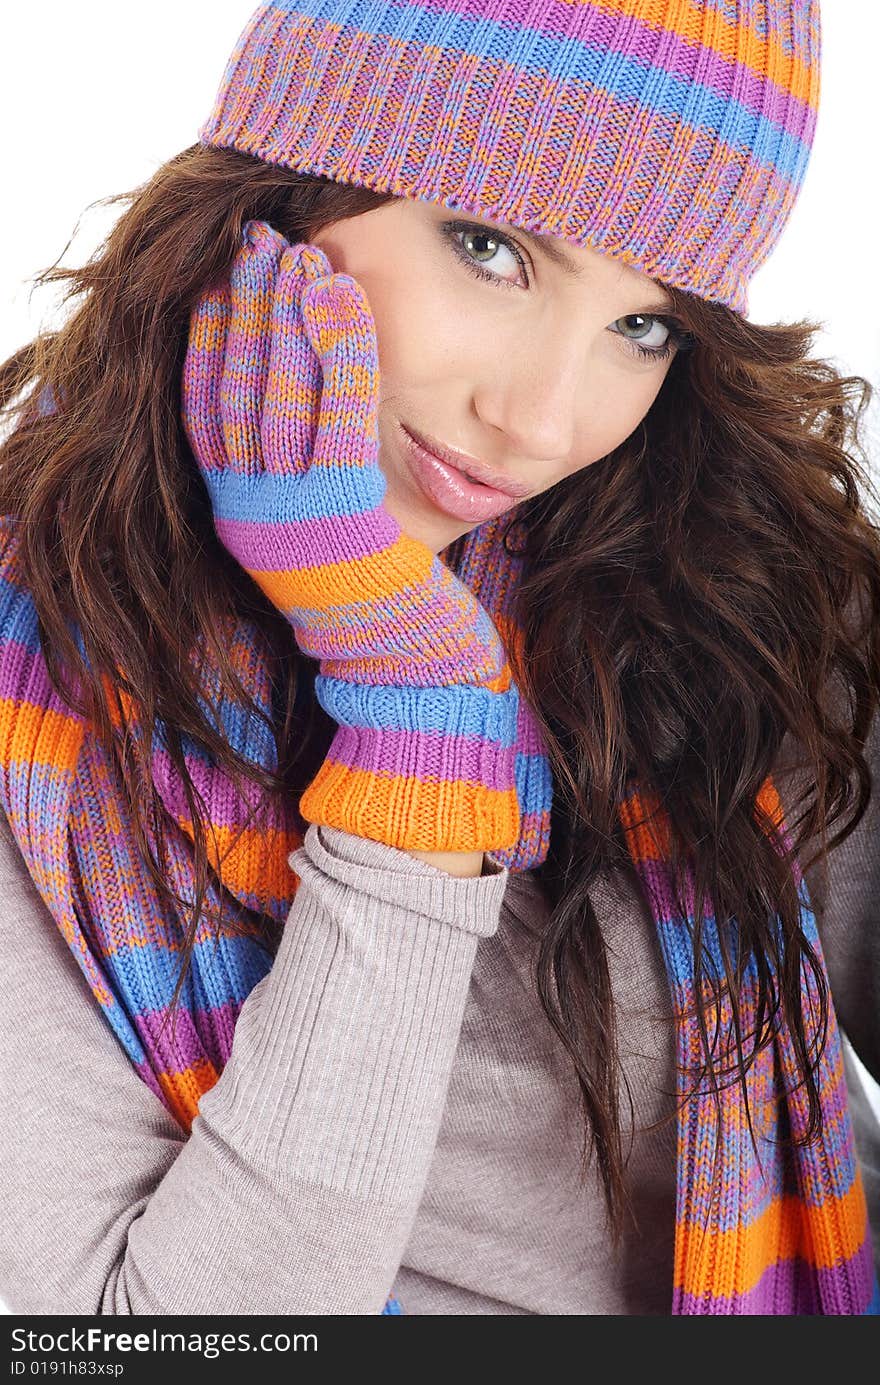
279, 404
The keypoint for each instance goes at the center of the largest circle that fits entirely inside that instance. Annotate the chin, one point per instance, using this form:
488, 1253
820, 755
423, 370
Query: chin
437, 536
434, 529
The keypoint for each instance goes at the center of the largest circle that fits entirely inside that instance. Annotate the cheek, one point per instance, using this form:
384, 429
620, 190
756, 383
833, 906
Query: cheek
408, 317
613, 411
620, 408
419, 337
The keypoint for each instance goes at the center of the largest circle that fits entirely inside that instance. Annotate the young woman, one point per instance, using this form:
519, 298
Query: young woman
440, 659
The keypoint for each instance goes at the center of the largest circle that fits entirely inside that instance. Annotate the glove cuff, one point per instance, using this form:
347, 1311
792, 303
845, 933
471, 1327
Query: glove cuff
423, 769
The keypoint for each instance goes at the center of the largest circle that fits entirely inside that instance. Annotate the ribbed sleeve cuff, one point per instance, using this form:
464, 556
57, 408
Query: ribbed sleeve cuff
394, 877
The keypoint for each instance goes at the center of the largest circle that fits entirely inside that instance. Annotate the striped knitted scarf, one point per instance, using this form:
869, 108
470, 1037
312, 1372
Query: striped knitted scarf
787, 1232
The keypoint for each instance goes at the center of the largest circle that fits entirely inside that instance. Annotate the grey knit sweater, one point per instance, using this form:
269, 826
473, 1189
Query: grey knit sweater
396, 1116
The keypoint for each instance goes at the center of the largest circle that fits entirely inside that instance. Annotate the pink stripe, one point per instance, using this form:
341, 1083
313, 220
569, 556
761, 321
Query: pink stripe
630, 37
226, 807
794, 1288
23, 676
207, 1034
297, 545
425, 756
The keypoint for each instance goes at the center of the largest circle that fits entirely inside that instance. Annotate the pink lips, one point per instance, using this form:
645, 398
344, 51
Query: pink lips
477, 471
444, 482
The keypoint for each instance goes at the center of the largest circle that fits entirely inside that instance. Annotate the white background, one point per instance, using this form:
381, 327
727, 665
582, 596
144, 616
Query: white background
95, 96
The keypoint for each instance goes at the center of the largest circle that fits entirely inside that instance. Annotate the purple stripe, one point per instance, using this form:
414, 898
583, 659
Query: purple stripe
424, 756
794, 1288
207, 1034
530, 740
631, 38
534, 827
310, 543
23, 676
227, 808
145, 1073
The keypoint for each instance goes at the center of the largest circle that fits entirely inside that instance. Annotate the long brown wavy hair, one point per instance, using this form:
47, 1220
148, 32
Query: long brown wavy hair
691, 603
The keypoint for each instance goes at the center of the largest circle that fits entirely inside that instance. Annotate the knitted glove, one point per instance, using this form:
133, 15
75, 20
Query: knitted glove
280, 390
492, 565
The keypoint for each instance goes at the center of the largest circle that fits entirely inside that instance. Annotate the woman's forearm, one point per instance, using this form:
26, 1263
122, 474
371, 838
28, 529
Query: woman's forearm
460, 863
298, 1186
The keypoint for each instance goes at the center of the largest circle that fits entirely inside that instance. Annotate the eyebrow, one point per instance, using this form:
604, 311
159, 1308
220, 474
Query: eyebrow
550, 247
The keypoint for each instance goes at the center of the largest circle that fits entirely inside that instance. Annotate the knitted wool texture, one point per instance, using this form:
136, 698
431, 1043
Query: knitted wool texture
674, 136
787, 1232
435, 750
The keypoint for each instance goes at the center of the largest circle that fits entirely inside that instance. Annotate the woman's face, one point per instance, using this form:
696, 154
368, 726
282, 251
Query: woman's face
533, 369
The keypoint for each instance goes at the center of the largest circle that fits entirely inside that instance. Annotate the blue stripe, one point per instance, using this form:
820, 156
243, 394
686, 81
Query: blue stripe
241, 729
144, 977
534, 782
316, 493
624, 79
18, 615
125, 1032
464, 710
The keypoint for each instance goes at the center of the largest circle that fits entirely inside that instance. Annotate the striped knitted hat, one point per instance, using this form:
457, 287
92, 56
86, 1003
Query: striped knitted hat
673, 135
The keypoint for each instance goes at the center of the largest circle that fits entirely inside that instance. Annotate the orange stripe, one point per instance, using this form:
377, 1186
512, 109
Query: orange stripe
212, 327
415, 815
183, 1089
651, 841
257, 858
732, 1262
641, 835
377, 577
39, 736
764, 56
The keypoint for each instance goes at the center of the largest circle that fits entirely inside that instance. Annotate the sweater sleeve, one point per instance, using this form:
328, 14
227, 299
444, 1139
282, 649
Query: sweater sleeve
846, 901
298, 1185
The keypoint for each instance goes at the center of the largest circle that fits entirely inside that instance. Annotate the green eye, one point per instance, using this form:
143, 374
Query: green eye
452, 230
676, 338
